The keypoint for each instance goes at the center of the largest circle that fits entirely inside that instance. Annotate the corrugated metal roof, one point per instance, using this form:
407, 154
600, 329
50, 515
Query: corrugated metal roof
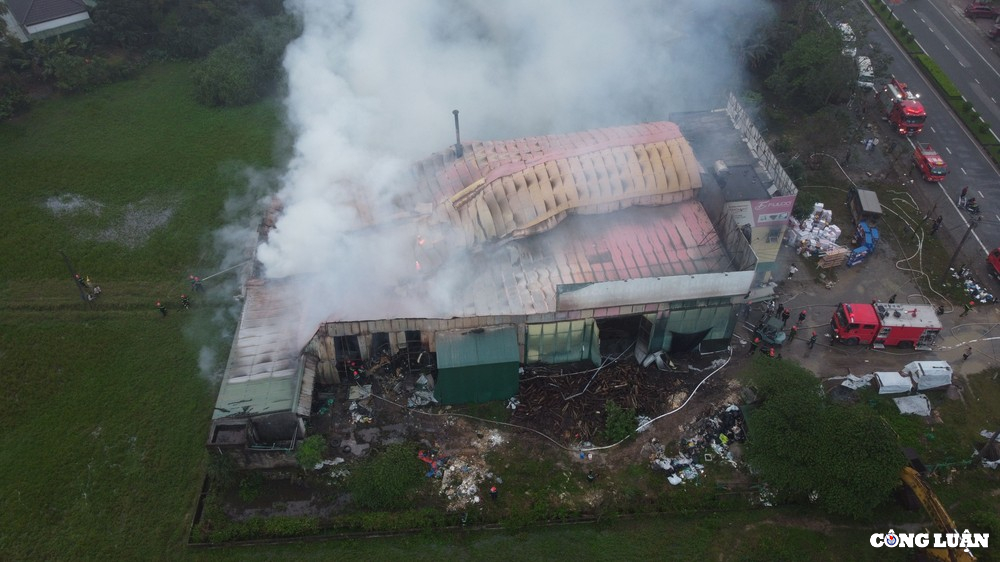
523, 277
511, 189
869, 201
477, 347
264, 370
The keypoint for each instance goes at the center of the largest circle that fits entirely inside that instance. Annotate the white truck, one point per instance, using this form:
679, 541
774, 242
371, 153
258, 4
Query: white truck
847, 34
866, 73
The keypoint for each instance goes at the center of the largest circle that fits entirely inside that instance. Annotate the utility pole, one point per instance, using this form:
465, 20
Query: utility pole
972, 224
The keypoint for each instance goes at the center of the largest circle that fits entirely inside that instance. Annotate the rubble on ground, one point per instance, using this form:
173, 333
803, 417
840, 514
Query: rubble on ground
463, 475
706, 440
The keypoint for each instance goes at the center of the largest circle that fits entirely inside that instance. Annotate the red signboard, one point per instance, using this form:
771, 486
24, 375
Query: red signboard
775, 210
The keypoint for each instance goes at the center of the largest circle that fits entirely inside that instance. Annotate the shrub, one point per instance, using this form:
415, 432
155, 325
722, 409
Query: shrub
13, 100
244, 70
310, 451
251, 487
74, 73
387, 480
221, 470
619, 423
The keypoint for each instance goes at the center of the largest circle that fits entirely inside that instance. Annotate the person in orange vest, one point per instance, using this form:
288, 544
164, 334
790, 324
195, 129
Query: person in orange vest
802, 316
793, 332
753, 346
493, 493
161, 308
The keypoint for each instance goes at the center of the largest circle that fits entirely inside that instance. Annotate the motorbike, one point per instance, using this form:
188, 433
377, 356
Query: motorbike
973, 208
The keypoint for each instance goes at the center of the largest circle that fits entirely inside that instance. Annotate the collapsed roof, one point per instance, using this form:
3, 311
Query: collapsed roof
511, 189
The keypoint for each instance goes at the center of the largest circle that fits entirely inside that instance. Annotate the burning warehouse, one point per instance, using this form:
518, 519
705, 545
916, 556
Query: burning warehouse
567, 242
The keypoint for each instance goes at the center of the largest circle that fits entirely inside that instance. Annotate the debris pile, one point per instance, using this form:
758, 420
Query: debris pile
977, 292
570, 399
462, 476
360, 407
707, 440
423, 393
815, 234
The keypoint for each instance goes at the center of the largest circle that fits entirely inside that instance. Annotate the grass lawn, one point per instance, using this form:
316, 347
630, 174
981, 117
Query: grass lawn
746, 536
104, 413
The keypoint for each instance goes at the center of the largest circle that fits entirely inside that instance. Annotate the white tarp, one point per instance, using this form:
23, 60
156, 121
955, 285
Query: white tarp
918, 404
929, 374
890, 382
854, 383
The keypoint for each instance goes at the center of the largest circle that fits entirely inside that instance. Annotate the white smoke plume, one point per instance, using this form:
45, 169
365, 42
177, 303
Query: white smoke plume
372, 85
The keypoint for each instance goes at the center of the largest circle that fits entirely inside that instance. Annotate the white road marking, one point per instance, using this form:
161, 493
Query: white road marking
948, 149
977, 81
997, 216
981, 194
963, 171
933, 130
993, 98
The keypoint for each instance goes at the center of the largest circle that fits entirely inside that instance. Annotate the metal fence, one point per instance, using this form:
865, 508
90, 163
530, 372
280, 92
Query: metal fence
758, 147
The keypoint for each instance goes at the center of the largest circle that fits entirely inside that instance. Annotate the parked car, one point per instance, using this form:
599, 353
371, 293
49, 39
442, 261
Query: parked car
994, 32
980, 10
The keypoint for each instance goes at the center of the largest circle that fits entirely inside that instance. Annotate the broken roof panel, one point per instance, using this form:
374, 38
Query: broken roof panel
513, 189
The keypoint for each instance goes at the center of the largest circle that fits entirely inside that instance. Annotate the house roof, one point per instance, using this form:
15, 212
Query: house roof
512, 189
33, 12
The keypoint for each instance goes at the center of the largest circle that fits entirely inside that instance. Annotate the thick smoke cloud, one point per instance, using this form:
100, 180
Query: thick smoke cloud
372, 84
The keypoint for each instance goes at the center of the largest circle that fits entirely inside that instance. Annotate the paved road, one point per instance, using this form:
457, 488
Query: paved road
961, 47
969, 164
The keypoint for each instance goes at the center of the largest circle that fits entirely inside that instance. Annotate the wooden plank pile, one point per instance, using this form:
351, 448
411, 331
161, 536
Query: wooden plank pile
551, 401
833, 258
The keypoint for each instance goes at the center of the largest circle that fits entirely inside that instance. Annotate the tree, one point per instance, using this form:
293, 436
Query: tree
812, 71
127, 23
13, 97
801, 444
242, 71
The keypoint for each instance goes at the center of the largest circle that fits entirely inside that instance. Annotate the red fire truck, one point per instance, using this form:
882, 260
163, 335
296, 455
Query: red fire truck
993, 264
929, 162
882, 324
901, 108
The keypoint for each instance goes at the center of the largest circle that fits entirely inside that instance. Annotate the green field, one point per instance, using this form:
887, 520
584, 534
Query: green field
105, 406
104, 410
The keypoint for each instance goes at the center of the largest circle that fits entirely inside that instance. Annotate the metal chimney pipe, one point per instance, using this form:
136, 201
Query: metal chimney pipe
458, 138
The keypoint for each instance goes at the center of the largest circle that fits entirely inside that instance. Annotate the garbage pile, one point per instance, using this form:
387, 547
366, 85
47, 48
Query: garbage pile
462, 476
360, 407
815, 234
423, 393
707, 440
976, 291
